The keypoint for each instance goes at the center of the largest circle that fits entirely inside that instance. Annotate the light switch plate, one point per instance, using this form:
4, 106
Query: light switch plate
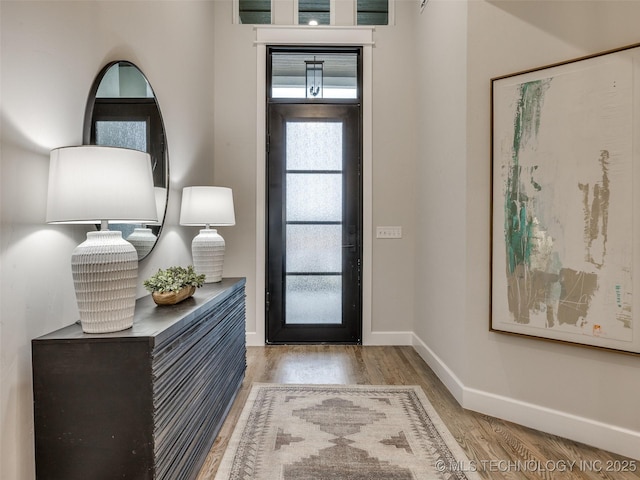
388, 232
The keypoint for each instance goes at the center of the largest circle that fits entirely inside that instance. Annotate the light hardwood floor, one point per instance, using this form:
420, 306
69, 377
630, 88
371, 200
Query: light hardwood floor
498, 449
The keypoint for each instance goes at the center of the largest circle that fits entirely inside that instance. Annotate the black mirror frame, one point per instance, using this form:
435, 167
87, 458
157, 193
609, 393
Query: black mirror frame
87, 137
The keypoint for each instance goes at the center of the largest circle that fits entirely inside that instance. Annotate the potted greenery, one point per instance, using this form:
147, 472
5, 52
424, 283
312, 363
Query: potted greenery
173, 285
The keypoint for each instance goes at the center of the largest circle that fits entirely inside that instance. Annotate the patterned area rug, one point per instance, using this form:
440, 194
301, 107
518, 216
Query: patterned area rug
331, 432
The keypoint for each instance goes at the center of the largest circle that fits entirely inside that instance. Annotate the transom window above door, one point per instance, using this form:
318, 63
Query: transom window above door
312, 12
325, 75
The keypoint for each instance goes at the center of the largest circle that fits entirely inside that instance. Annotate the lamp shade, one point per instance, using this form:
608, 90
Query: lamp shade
90, 184
207, 206
161, 203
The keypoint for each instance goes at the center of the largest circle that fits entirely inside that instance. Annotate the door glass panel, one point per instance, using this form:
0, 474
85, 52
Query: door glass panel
314, 146
313, 218
314, 197
314, 248
124, 134
313, 299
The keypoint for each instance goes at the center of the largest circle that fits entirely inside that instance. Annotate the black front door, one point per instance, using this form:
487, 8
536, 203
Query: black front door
314, 210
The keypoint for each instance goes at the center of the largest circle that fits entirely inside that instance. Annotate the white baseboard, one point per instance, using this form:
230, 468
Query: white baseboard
442, 371
254, 339
598, 434
387, 338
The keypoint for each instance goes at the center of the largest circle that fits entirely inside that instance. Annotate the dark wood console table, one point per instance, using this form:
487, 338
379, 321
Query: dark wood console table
143, 403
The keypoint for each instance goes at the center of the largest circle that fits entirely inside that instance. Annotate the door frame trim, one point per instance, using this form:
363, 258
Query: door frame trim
304, 35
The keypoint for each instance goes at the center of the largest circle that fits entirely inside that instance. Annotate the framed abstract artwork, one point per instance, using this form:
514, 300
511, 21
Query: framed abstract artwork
565, 190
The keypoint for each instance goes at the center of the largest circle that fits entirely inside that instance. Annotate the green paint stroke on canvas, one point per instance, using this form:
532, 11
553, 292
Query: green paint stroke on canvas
595, 205
518, 223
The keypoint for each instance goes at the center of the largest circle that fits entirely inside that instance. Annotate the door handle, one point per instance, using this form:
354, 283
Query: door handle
349, 246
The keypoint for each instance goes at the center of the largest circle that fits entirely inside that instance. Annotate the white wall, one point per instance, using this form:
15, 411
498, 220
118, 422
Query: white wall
234, 142
51, 53
579, 393
395, 130
441, 252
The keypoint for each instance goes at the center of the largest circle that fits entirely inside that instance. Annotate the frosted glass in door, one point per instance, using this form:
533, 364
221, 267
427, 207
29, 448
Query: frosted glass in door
313, 221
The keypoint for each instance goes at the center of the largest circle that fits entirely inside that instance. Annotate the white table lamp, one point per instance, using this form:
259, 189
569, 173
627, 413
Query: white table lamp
143, 238
208, 206
92, 184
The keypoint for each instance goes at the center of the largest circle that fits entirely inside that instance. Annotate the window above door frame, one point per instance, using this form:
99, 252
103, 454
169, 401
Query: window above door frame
334, 65
305, 36
290, 17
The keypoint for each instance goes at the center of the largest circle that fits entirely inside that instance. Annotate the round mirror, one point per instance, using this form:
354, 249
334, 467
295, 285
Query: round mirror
122, 111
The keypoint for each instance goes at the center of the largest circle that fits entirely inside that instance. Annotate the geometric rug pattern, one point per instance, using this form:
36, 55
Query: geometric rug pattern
341, 432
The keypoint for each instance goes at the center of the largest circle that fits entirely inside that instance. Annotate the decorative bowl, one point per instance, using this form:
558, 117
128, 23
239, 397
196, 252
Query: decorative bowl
171, 298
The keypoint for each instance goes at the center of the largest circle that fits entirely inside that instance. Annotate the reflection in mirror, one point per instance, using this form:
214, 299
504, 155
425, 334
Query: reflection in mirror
122, 111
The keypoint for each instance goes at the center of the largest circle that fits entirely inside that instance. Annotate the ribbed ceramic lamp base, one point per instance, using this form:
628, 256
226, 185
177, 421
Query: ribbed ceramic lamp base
105, 273
207, 249
142, 240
